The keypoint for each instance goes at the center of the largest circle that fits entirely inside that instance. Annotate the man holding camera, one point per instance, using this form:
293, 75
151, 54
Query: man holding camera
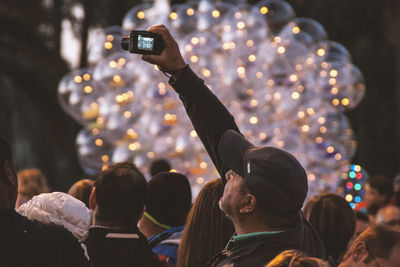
265, 187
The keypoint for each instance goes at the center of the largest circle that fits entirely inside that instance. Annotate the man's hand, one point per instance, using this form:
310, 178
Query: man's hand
170, 60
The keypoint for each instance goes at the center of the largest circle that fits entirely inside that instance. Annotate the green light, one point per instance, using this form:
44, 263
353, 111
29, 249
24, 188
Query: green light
357, 187
352, 174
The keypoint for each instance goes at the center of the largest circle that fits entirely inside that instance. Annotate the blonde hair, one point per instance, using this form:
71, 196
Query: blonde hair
295, 258
82, 190
32, 182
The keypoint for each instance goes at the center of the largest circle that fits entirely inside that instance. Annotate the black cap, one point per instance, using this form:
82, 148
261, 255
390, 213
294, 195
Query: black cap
273, 176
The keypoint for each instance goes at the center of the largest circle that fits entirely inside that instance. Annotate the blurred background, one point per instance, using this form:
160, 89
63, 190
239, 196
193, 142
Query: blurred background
42, 40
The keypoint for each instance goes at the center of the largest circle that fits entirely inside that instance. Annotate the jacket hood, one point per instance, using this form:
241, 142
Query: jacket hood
60, 209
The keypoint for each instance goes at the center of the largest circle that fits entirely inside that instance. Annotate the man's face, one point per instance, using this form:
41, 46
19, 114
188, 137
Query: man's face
233, 192
373, 197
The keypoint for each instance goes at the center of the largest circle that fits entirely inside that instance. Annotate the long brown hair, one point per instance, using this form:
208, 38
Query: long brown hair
207, 229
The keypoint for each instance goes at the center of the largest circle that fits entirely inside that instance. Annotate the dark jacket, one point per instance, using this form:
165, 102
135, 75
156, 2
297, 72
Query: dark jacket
107, 247
211, 120
31, 243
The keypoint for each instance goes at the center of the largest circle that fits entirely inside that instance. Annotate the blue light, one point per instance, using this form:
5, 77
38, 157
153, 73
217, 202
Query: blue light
352, 167
352, 205
361, 193
357, 199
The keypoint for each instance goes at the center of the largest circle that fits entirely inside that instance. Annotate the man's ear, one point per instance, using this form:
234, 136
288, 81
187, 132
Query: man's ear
10, 174
92, 199
248, 203
359, 252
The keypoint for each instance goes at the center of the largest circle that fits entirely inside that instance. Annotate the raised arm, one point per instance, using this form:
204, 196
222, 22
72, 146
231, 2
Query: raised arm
209, 116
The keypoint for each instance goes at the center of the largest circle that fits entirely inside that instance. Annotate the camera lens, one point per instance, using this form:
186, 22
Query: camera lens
125, 43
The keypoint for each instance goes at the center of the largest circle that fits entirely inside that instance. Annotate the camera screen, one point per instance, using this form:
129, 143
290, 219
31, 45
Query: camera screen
145, 43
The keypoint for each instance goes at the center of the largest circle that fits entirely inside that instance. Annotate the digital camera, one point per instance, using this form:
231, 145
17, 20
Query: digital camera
143, 42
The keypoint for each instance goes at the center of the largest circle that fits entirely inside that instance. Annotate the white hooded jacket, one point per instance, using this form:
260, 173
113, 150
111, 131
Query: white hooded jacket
61, 209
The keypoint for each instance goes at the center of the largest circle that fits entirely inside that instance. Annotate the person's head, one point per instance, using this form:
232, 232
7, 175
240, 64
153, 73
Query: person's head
378, 246
159, 165
168, 203
8, 176
389, 216
362, 222
378, 191
31, 182
207, 229
295, 258
118, 196
334, 220
265, 184
60, 209
81, 190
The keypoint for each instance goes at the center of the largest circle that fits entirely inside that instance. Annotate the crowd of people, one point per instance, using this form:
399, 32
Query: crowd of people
253, 215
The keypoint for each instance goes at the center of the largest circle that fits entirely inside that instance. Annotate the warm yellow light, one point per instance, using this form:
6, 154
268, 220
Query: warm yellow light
252, 58
277, 96
330, 149
77, 79
241, 25
121, 61
281, 49
262, 136
98, 142
104, 167
311, 177
249, 43
132, 134
338, 156
117, 79
203, 165
241, 70
332, 81
335, 102
264, 10
319, 140
190, 11
253, 102
321, 120
296, 30
206, 72
322, 129
109, 38
333, 73
253, 120
108, 45
112, 64
194, 40
293, 77
105, 158
295, 95
321, 52
134, 146
141, 15
305, 128
188, 48
349, 198
259, 75
127, 114
173, 15
193, 133
300, 114
172, 170
194, 59
334, 90
280, 144
95, 131
86, 76
227, 28
88, 89
200, 180
345, 101
215, 13
270, 82
150, 155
